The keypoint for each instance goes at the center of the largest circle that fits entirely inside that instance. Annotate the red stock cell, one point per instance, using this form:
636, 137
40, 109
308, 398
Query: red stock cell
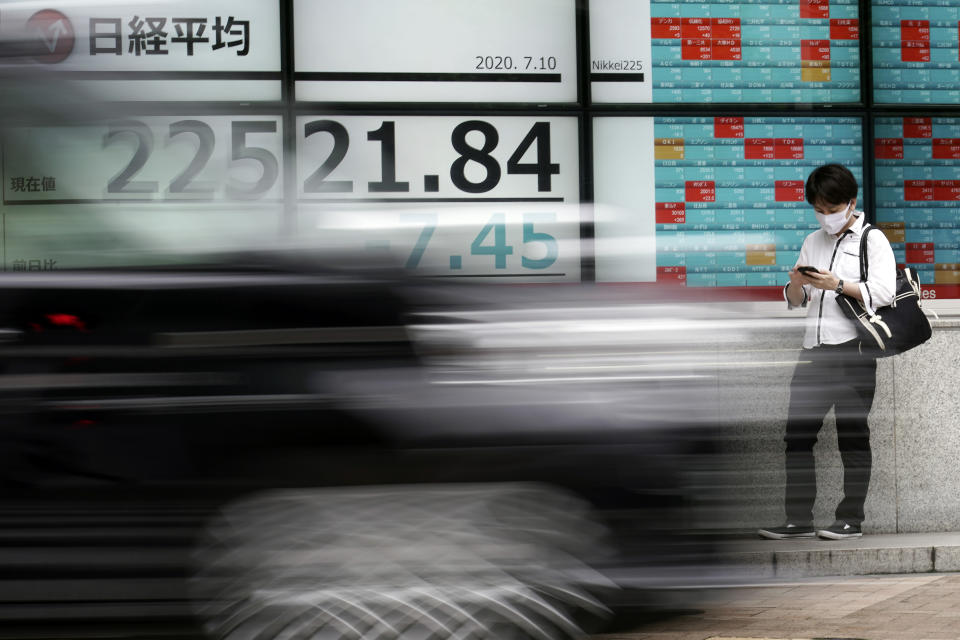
814, 49
845, 29
665, 28
918, 127
728, 127
789, 191
888, 148
700, 191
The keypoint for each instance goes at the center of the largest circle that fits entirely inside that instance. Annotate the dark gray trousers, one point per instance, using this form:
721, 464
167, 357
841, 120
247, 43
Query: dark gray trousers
838, 376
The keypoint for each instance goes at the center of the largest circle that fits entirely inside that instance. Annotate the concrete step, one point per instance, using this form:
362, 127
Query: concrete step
869, 555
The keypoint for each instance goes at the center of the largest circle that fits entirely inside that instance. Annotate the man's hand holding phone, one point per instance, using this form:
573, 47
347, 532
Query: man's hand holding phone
813, 276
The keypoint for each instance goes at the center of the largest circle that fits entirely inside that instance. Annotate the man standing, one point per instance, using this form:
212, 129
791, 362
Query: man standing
832, 371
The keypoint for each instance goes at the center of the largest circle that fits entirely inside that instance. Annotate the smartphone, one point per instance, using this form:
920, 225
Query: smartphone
808, 270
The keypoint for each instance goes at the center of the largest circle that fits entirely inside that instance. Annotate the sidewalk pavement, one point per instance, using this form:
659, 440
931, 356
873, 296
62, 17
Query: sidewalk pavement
902, 553
904, 607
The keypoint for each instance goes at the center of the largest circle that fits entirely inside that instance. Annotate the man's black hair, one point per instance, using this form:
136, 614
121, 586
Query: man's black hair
831, 184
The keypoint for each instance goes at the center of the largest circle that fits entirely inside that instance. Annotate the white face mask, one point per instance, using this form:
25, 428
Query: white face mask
834, 222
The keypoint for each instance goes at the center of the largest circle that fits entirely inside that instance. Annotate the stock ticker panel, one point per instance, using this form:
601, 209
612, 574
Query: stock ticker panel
917, 166
756, 51
916, 51
730, 205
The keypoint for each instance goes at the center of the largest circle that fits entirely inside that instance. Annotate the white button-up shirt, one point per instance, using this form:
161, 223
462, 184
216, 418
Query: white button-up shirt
826, 323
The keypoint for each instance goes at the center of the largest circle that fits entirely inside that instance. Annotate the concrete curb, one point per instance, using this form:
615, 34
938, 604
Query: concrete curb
872, 554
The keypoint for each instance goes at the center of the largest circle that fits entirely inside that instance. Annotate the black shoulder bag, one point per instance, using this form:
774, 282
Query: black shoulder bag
894, 329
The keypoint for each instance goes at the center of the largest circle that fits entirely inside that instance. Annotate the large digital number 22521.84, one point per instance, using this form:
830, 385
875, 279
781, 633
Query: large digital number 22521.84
185, 182
538, 135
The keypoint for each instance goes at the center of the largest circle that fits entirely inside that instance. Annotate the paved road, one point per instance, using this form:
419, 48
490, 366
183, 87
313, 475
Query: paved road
898, 607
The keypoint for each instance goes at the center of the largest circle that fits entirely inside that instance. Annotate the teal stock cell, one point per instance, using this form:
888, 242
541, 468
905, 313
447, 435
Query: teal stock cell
668, 174
699, 152
890, 214
890, 55
670, 258
728, 95
811, 32
765, 279
949, 238
787, 258
758, 130
890, 34
731, 258
664, 53
947, 216
668, 130
844, 74
889, 194
697, 96
925, 273
756, 54
948, 129
757, 74
759, 236
844, 55
788, 131
784, 54
918, 152
919, 235
918, 217
944, 54
941, 35
696, 217
899, 254
759, 175
670, 241
844, 12
792, 173
732, 174
664, 75
700, 241
885, 130
728, 152
791, 239
763, 217
916, 96
946, 172
885, 15
664, 10
832, 153
701, 259
731, 195
694, 10
698, 74
754, 11
951, 256
945, 14
920, 172
669, 195
701, 280
783, 11
731, 279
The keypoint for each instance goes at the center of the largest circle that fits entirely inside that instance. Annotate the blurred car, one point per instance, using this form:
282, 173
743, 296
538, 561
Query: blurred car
290, 448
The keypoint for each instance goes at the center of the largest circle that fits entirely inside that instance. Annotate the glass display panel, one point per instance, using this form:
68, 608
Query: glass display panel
917, 167
727, 206
916, 51
757, 51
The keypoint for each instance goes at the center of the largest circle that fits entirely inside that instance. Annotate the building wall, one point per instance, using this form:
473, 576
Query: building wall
915, 438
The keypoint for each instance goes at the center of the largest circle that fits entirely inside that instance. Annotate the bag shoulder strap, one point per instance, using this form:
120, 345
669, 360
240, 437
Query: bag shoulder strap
864, 255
